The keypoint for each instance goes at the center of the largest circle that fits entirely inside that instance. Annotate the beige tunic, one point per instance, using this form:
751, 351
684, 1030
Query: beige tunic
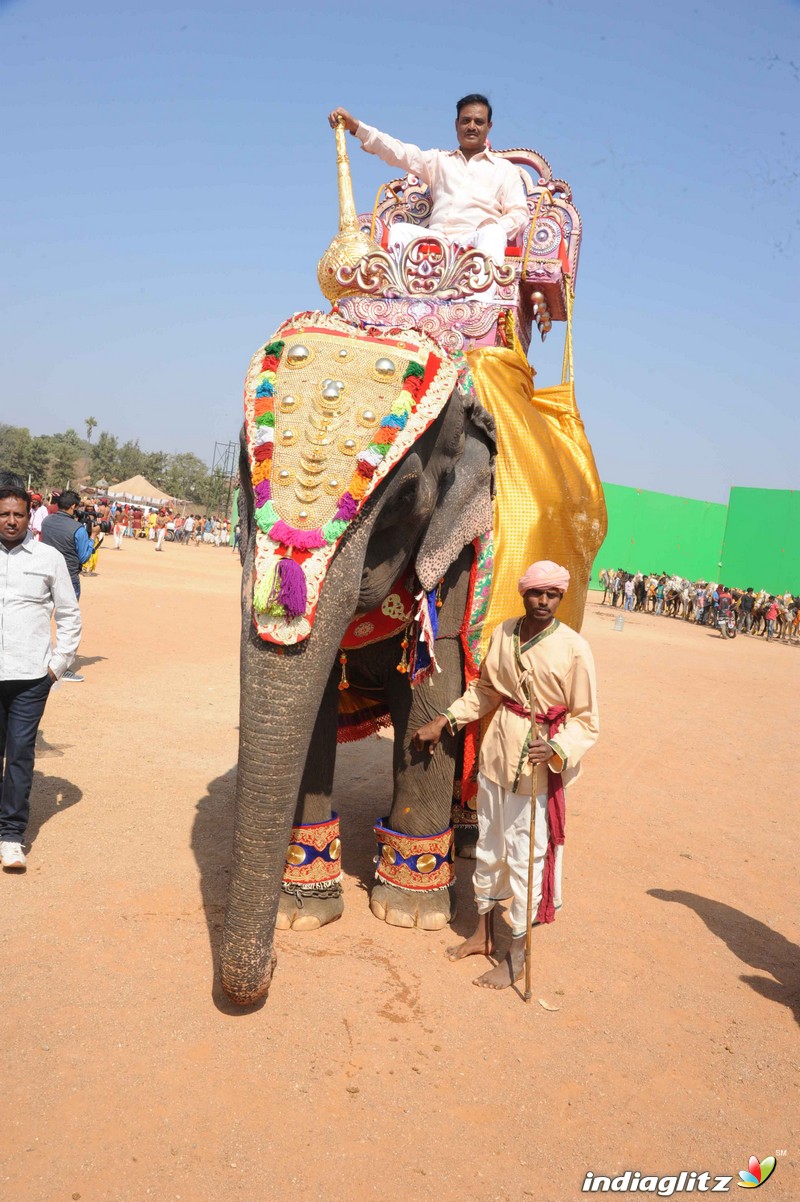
558, 668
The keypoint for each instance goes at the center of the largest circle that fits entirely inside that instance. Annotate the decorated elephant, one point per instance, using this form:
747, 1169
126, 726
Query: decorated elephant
376, 557
367, 473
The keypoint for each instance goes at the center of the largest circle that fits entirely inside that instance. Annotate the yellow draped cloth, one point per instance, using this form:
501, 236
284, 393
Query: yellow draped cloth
550, 502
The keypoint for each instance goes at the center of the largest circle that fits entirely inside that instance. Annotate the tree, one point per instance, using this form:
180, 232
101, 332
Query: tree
104, 459
186, 477
154, 467
130, 460
90, 423
15, 449
62, 466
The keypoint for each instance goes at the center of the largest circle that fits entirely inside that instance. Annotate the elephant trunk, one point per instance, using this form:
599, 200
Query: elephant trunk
280, 696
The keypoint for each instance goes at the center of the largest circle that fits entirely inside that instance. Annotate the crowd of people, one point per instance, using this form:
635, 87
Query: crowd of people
105, 515
755, 611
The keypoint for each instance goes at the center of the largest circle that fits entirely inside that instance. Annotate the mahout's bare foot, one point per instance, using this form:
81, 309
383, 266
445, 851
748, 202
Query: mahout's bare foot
510, 969
479, 943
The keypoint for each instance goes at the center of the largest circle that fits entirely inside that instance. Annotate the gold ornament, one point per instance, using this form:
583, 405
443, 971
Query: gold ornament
350, 245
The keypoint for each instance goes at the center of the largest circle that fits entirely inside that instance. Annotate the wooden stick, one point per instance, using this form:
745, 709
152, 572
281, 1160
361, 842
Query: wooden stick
531, 852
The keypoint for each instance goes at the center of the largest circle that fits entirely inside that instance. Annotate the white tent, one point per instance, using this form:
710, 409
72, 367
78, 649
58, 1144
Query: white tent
139, 490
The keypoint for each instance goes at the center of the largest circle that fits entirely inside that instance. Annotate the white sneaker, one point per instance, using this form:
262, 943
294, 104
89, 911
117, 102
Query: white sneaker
12, 855
73, 676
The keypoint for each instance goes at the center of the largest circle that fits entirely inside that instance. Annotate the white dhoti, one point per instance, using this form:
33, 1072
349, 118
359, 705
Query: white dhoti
501, 860
491, 239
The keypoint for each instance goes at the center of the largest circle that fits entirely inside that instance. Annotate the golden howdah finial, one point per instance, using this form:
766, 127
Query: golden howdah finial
350, 245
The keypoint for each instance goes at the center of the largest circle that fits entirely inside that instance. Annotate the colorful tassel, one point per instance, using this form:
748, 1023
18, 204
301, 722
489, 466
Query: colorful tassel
292, 590
301, 540
348, 508
262, 593
402, 667
262, 493
266, 517
344, 683
332, 531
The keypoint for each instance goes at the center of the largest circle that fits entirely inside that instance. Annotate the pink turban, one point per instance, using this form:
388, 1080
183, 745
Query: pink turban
545, 574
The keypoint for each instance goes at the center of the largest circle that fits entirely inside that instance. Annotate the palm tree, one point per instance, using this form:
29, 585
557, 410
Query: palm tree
90, 423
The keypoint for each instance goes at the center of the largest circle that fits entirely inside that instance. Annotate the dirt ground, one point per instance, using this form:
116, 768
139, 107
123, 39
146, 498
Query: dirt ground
671, 978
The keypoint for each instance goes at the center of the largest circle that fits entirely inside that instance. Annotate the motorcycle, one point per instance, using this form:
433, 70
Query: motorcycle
727, 624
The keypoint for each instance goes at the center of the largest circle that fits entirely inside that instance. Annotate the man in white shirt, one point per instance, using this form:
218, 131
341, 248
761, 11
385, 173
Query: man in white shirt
38, 515
478, 197
34, 582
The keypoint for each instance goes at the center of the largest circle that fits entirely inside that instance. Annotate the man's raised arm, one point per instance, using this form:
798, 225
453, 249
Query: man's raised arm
404, 155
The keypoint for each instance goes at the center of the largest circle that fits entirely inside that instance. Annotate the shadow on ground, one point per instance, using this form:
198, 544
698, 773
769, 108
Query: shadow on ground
752, 942
49, 796
360, 801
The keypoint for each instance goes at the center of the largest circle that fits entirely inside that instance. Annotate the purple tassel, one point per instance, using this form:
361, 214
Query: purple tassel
262, 492
293, 590
303, 540
348, 508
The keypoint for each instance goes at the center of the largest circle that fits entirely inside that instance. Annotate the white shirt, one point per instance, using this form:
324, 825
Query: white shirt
34, 581
465, 192
37, 519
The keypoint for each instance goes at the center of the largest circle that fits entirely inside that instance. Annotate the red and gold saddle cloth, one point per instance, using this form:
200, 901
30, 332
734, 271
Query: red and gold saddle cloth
329, 410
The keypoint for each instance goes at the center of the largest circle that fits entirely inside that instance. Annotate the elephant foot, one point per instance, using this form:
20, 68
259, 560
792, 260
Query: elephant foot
466, 841
429, 910
308, 911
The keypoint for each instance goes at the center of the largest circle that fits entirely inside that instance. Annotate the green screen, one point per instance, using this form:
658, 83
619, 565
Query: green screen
762, 540
655, 532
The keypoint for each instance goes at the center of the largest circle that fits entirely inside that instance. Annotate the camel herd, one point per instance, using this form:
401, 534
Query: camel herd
697, 601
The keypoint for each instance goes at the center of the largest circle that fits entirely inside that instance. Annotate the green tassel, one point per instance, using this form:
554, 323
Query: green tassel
274, 348
266, 517
332, 531
262, 593
266, 419
414, 369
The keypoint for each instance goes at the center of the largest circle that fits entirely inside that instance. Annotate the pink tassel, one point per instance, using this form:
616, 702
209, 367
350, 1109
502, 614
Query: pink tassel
293, 590
303, 540
348, 508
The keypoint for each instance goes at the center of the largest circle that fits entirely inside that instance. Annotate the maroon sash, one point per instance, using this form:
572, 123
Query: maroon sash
556, 807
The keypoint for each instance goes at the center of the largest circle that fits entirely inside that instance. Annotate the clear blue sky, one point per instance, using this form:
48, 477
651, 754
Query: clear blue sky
169, 185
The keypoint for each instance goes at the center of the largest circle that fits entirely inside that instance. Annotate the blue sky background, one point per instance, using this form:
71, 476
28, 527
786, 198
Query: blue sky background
169, 184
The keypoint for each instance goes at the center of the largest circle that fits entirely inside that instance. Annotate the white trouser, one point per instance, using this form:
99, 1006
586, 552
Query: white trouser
501, 858
118, 539
159, 539
491, 239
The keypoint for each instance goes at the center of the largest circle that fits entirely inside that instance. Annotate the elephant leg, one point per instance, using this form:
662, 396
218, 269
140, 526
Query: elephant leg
423, 788
304, 907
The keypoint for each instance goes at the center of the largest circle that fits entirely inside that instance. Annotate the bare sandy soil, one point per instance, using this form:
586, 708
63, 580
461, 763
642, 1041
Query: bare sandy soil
376, 1069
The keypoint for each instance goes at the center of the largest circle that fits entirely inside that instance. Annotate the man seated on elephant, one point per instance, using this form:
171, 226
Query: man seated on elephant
536, 673
478, 196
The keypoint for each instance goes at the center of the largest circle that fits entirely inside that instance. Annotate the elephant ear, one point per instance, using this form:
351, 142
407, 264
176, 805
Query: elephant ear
245, 497
464, 509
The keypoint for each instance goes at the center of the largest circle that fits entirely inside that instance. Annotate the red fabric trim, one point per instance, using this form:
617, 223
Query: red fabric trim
557, 817
556, 807
265, 451
513, 252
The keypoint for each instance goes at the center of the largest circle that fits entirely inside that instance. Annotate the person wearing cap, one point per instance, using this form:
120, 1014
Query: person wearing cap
534, 666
